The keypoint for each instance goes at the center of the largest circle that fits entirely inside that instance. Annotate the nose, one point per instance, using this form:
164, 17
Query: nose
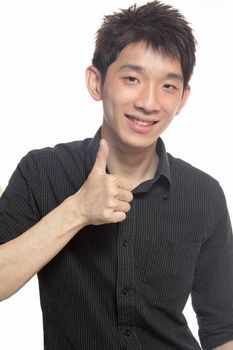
147, 99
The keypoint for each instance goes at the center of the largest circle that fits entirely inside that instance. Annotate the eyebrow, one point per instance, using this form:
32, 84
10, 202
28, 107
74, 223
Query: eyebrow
175, 76
132, 67
135, 67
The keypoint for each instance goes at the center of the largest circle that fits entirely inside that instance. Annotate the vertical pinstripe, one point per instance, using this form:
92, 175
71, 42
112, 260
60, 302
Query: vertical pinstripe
124, 286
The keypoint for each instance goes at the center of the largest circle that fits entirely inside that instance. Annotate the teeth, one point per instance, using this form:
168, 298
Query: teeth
141, 122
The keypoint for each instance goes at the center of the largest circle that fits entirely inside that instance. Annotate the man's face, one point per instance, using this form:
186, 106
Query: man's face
142, 92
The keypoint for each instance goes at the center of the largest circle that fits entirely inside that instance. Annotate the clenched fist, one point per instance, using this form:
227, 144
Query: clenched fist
104, 198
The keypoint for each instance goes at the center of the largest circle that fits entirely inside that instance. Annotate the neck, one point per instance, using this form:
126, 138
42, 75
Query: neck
137, 166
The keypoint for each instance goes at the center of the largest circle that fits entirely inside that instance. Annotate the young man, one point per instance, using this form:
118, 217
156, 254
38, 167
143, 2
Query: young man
119, 231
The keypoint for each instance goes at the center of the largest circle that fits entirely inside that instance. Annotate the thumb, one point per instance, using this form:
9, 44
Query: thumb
101, 158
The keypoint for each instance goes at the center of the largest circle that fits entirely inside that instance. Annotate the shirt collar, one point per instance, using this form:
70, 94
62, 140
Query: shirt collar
164, 164
163, 172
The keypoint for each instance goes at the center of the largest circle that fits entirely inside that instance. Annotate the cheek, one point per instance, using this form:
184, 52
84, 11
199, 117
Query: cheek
170, 107
115, 99
169, 111
110, 107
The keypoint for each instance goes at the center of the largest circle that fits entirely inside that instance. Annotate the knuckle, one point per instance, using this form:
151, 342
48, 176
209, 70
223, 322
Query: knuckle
122, 216
105, 215
110, 202
118, 217
128, 207
130, 196
112, 192
113, 178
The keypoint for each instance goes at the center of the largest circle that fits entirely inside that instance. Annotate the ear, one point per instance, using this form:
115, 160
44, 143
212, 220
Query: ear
93, 81
184, 99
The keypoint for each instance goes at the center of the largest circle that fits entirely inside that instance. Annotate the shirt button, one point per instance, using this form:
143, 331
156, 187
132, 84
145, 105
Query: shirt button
125, 243
127, 332
124, 291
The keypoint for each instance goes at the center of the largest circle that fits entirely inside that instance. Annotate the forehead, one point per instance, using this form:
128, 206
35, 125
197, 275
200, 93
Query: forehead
146, 58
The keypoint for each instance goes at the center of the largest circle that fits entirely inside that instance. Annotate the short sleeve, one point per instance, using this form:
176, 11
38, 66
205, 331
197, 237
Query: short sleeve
212, 293
19, 203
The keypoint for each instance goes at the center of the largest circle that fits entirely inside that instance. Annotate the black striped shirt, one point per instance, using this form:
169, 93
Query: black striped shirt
124, 286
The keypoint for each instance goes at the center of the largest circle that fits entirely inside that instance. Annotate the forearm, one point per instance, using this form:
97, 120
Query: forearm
23, 257
227, 346
102, 199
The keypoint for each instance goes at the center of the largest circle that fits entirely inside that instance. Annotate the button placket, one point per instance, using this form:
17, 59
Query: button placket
125, 271
125, 282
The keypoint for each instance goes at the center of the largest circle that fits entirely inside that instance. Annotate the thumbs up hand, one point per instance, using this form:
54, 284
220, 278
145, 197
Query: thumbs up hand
101, 158
104, 198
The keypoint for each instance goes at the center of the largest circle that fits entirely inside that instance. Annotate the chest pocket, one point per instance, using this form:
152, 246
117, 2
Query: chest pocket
166, 272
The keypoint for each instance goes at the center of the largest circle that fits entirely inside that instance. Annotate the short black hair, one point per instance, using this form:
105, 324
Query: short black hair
161, 26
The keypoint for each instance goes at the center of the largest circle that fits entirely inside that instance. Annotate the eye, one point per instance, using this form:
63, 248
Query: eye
170, 87
131, 80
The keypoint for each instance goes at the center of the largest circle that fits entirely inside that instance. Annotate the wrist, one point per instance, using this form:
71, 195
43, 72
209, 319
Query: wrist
72, 215
64, 219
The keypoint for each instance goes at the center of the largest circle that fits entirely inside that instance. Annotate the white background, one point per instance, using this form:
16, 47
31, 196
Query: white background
45, 47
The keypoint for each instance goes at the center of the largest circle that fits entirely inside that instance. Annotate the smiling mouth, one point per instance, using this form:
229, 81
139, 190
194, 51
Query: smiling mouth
141, 122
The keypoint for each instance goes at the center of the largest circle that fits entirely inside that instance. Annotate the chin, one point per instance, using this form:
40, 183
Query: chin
138, 143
